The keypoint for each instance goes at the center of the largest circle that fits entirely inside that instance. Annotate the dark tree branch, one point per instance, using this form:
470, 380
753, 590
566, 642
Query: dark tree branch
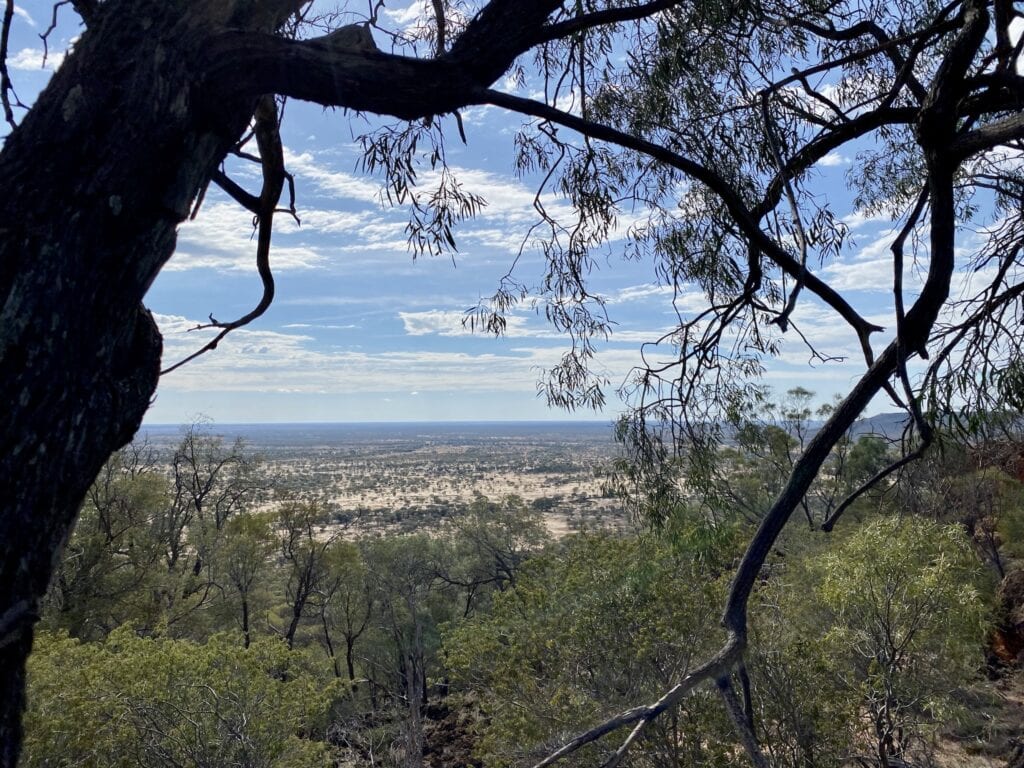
316, 70
782, 319
740, 722
607, 16
245, 199
923, 427
439, 20
871, 29
827, 141
988, 137
871, 482
6, 86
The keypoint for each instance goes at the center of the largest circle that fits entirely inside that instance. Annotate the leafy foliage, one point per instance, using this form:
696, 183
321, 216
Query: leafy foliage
908, 619
587, 630
155, 701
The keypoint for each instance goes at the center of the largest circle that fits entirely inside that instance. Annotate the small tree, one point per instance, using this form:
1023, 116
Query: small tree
304, 550
242, 562
343, 601
112, 563
907, 622
482, 550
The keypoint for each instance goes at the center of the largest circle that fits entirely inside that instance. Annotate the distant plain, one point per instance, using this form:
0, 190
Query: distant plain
392, 477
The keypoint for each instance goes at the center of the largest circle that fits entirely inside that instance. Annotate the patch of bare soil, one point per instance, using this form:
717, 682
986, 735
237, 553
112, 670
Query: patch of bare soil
448, 728
993, 737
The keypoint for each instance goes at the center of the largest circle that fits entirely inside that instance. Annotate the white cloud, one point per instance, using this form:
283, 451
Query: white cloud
408, 16
833, 159
221, 238
859, 219
871, 267
641, 293
442, 322
446, 322
435, 321
31, 59
264, 361
321, 326
329, 222
373, 300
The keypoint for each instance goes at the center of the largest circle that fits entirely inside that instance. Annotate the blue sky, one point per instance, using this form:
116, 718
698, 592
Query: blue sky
360, 331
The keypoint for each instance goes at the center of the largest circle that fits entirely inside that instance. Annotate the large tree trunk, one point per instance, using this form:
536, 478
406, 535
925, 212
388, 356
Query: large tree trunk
95, 179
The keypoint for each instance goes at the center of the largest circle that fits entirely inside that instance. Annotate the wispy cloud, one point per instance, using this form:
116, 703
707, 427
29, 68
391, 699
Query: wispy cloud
329, 181
446, 322
19, 11
221, 238
641, 293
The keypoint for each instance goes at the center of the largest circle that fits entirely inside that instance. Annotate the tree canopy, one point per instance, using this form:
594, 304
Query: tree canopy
708, 117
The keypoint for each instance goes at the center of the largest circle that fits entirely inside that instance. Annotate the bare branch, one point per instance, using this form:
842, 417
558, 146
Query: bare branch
878, 477
441, 26
782, 320
740, 722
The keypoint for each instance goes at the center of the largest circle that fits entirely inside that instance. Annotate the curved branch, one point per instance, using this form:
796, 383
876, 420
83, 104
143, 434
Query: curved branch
6, 86
740, 214
871, 29
253, 63
740, 721
820, 146
268, 139
871, 482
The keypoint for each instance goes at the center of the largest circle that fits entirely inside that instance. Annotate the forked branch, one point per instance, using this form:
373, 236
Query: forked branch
718, 665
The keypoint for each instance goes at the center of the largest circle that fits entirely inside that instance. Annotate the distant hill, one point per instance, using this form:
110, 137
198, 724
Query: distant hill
888, 425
